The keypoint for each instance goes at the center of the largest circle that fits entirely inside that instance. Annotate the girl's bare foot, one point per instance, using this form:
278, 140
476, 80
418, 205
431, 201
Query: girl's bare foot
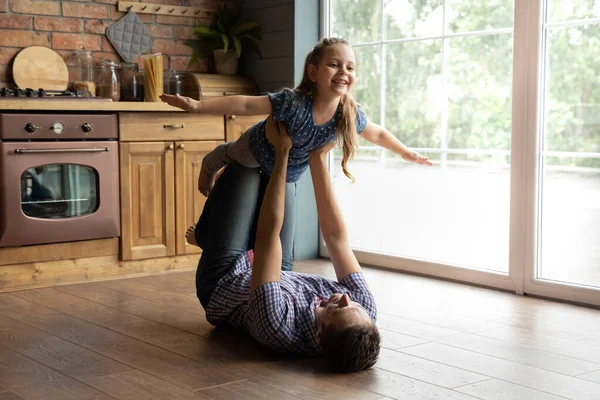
190, 236
206, 181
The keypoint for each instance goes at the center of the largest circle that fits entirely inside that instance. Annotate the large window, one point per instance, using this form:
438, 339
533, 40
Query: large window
441, 76
569, 199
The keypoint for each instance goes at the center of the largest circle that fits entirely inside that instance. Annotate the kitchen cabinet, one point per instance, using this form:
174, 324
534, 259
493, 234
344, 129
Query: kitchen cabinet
147, 200
161, 152
189, 202
235, 125
159, 195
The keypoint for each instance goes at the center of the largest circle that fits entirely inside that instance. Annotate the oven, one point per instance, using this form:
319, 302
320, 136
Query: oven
59, 178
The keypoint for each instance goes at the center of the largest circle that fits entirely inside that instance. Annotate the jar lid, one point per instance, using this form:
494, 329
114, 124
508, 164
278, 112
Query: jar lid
151, 55
129, 65
109, 63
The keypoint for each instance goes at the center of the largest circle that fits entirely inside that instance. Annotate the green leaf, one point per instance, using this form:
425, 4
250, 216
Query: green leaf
249, 37
225, 42
193, 59
205, 31
221, 29
241, 28
252, 46
238, 46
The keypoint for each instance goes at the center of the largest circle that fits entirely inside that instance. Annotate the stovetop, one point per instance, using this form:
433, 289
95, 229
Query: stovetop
45, 94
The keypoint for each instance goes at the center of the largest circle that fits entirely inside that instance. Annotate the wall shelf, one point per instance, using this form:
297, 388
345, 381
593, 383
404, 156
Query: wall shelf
165, 9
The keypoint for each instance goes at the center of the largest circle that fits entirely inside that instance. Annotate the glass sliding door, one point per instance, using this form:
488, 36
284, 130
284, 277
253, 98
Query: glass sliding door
566, 252
504, 97
438, 76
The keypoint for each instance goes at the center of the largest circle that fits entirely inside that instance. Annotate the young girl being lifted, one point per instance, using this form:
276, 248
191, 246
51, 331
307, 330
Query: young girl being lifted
318, 111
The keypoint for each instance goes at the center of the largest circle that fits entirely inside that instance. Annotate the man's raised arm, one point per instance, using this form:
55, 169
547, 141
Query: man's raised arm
267, 249
330, 217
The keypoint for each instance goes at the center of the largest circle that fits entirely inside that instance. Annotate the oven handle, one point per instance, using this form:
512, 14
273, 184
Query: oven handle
88, 150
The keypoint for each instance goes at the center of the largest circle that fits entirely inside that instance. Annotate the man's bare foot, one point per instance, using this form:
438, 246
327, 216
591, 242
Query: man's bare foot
190, 236
206, 181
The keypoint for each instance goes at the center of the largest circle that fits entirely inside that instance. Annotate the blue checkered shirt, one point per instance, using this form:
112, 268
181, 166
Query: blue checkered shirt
281, 315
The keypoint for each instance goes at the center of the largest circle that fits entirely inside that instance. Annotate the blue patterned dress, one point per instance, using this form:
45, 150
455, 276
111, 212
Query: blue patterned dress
295, 111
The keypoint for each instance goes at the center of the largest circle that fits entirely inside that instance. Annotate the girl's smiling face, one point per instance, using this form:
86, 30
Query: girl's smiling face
336, 72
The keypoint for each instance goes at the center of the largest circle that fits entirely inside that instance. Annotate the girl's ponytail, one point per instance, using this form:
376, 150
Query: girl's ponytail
347, 137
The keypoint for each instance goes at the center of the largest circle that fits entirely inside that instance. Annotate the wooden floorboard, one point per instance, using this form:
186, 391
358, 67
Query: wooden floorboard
9, 396
148, 338
56, 353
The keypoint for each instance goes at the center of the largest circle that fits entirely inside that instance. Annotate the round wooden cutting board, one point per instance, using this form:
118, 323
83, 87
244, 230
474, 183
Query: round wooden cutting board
39, 67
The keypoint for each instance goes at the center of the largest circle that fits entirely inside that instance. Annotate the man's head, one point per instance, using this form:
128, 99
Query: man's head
348, 337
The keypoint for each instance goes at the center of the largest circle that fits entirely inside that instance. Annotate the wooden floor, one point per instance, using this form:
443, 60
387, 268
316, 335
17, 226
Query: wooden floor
147, 338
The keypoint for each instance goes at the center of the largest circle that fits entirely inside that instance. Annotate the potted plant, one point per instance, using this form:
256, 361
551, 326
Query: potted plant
225, 38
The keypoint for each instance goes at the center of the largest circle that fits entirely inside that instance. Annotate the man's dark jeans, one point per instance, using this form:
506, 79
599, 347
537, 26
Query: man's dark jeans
227, 226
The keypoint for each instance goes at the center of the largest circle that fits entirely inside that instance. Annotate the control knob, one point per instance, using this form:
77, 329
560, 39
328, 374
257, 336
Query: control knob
87, 127
31, 127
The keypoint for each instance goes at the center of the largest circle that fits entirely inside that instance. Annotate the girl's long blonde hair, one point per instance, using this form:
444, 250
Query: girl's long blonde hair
346, 135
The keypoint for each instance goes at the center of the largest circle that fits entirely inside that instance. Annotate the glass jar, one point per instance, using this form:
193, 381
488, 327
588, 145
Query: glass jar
107, 82
130, 82
173, 82
153, 76
141, 84
83, 67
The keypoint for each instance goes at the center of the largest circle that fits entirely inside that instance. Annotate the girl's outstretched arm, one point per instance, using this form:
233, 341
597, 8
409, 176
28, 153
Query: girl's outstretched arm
232, 105
382, 137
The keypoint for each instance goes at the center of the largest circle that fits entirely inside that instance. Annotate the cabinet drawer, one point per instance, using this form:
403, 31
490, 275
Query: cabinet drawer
151, 126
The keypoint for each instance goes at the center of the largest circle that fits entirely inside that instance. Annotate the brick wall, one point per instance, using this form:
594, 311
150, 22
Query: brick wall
65, 26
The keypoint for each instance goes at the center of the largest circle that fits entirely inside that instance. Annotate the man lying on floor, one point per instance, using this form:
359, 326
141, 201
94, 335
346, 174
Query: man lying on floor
284, 310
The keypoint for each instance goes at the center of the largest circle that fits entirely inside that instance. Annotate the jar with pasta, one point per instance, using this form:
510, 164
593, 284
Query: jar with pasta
153, 76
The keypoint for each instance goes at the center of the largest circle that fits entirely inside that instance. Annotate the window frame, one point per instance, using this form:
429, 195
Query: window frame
527, 105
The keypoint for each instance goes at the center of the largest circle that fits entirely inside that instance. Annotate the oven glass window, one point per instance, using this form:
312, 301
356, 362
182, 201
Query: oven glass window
59, 191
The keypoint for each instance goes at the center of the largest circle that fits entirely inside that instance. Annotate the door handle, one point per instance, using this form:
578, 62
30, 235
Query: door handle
38, 151
173, 126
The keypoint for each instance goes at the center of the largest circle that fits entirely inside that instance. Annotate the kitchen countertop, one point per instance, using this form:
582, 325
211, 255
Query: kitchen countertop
80, 105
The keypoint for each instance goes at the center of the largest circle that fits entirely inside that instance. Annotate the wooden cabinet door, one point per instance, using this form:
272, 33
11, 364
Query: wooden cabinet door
147, 200
235, 125
189, 201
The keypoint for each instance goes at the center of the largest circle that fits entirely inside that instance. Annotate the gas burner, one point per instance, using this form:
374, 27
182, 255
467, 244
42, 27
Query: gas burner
42, 93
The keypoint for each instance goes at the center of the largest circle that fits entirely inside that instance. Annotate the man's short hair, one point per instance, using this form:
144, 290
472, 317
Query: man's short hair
353, 348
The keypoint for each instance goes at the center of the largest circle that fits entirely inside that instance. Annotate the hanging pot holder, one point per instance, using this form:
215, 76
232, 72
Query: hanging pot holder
129, 36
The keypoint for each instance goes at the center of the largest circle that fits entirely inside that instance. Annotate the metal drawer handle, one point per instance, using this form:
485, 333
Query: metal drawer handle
88, 150
174, 126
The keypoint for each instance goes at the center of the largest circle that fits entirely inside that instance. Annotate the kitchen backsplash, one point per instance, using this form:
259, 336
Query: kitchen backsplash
65, 26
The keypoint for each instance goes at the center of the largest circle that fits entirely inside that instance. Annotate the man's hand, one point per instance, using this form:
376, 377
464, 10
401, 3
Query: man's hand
277, 134
185, 103
321, 152
413, 156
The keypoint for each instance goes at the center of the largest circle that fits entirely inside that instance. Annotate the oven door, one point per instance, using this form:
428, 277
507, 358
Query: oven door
53, 192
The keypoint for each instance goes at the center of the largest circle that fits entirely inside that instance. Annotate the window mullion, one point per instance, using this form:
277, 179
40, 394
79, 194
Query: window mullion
444, 110
382, 98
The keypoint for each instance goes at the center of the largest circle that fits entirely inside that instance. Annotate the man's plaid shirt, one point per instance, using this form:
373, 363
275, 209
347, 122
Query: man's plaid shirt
281, 315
